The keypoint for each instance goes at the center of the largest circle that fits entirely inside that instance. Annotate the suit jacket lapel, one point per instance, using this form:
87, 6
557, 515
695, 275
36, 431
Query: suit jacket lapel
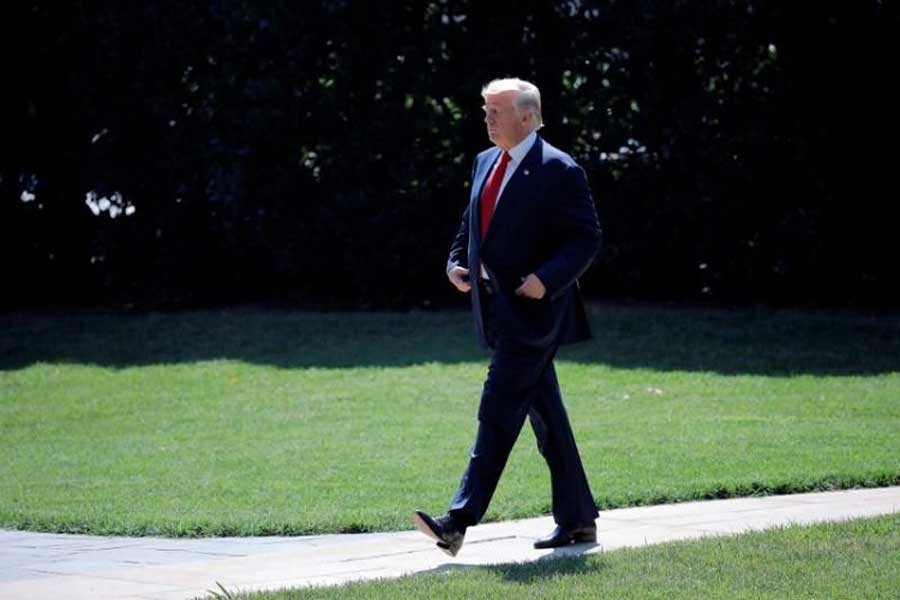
516, 186
481, 172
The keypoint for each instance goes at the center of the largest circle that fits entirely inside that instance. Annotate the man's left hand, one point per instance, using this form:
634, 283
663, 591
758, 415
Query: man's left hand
531, 287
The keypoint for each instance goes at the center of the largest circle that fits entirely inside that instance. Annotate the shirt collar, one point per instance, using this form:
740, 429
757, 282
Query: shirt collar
518, 152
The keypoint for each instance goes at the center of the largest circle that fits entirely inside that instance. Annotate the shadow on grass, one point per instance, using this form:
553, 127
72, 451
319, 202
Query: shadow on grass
745, 341
562, 561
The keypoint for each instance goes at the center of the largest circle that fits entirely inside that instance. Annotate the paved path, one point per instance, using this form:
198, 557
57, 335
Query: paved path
41, 565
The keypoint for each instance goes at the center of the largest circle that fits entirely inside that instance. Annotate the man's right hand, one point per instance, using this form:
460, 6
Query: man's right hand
459, 277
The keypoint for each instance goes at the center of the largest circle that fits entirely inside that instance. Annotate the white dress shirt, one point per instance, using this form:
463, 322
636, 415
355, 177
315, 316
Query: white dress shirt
516, 156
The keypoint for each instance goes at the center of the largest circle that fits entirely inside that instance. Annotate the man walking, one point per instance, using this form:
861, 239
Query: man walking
530, 230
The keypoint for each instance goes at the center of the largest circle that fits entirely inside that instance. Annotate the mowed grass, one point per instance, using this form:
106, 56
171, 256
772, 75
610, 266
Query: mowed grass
253, 421
855, 559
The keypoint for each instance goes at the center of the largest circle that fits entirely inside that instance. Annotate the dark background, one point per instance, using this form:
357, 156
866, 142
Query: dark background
318, 153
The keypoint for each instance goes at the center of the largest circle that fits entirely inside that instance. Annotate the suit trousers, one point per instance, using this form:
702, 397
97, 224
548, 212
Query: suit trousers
522, 382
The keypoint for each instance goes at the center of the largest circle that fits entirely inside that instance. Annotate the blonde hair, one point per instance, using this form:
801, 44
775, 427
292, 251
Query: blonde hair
528, 96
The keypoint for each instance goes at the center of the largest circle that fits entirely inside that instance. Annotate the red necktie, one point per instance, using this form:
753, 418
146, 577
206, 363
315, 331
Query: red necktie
490, 193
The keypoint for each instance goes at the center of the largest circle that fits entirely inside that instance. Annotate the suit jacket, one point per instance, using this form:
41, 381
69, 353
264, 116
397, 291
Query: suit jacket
544, 223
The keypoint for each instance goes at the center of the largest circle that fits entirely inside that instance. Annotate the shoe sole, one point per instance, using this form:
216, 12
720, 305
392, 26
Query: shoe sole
422, 526
447, 549
584, 538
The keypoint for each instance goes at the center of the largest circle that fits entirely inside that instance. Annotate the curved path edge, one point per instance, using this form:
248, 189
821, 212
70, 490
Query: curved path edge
45, 565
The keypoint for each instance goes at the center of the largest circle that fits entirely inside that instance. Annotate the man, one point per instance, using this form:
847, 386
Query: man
530, 230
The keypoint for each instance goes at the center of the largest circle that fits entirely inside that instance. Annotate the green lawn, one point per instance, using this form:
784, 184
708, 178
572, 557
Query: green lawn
253, 421
855, 559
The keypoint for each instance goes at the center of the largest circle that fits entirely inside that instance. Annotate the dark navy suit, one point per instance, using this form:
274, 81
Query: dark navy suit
544, 223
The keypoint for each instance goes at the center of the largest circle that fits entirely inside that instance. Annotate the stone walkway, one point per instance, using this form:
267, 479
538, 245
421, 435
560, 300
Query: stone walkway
41, 565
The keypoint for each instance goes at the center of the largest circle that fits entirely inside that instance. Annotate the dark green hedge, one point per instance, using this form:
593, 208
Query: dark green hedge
319, 152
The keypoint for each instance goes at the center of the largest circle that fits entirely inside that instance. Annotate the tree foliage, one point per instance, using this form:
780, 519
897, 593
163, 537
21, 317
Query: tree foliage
181, 152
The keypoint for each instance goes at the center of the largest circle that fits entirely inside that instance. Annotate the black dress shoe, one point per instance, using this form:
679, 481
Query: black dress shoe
565, 536
442, 529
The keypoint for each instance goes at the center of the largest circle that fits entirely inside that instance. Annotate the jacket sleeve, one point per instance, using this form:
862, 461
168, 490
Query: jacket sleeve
459, 248
574, 222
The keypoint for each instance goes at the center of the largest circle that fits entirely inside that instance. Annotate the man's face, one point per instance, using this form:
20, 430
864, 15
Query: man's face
505, 127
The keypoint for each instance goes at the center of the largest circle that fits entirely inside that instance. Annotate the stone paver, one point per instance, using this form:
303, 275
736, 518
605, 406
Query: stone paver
41, 565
